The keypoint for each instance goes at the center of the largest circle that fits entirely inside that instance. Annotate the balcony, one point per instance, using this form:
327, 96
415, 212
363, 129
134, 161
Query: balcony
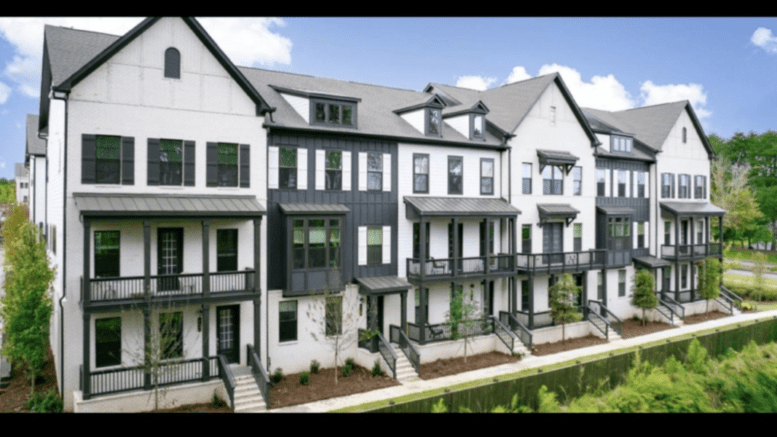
690, 251
443, 268
445, 332
180, 287
561, 262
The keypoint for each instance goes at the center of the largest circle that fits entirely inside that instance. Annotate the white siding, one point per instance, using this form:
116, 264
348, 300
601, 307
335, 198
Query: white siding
301, 105
272, 171
416, 119
347, 171
302, 169
362, 171
460, 123
320, 171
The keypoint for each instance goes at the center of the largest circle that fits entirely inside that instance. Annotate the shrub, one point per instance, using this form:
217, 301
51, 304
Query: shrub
314, 365
216, 401
45, 403
376, 370
277, 376
346, 370
746, 305
349, 362
304, 377
439, 407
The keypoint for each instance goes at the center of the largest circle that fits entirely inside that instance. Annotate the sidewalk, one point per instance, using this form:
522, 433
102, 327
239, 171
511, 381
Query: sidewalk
526, 363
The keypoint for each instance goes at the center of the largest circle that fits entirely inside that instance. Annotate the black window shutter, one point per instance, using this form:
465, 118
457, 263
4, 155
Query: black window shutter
672, 176
128, 161
245, 166
153, 161
88, 164
188, 168
212, 178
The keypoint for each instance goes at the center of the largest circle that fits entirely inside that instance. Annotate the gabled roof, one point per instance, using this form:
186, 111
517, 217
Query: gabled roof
34, 145
509, 104
73, 55
20, 171
423, 102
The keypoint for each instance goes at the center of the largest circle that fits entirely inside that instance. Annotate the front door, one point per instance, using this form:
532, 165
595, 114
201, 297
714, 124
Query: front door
553, 240
169, 257
228, 332
375, 312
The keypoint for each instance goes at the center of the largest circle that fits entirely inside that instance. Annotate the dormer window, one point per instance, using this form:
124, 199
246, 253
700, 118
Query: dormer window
478, 131
172, 63
621, 144
434, 122
333, 113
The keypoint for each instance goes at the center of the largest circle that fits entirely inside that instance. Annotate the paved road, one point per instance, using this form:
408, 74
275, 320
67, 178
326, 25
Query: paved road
749, 273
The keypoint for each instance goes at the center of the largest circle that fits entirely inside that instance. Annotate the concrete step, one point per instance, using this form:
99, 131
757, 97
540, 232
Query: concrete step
405, 371
248, 398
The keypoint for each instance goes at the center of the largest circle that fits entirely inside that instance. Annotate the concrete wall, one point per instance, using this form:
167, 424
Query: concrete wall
140, 401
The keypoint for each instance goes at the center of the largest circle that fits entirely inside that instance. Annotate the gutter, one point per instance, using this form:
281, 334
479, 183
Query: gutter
62, 96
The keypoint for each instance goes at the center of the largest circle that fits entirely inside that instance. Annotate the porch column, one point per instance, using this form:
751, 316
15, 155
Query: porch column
206, 259
514, 246
87, 291
693, 255
677, 258
584, 291
258, 287
205, 342
87, 360
456, 244
423, 298
484, 245
514, 294
604, 287
403, 311
531, 301
707, 233
147, 258
721, 236
146, 339
257, 328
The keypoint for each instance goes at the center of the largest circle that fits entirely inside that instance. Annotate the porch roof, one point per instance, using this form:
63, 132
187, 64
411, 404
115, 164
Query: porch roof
458, 206
556, 157
165, 205
551, 211
615, 210
382, 285
651, 262
313, 208
691, 209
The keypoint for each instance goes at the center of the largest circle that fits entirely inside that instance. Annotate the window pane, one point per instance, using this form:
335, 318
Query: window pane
106, 254
375, 181
227, 165
421, 164
108, 342
170, 162
334, 113
375, 162
421, 183
477, 128
487, 168
347, 115
108, 154
320, 114
226, 242
434, 121
287, 316
374, 236
333, 160
288, 158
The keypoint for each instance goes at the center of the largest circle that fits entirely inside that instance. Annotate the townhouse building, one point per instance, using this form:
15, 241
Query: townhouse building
22, 180
227, 202
35, 161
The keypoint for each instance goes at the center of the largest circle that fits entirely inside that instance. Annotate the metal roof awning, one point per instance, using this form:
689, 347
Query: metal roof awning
615, 210
313, 208
674, 209
550, 211
651, 262
457, 207
161, 205
556, 157
378, 285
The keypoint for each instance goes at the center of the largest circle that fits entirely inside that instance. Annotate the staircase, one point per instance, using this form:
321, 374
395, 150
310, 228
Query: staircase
520, 348
248, 399
405, 371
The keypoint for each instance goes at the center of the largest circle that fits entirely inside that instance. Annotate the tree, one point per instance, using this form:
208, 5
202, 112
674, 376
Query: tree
463, 318
743, 217
759, 268
563, 298
709, 279
644, 292
335, 317
27, 305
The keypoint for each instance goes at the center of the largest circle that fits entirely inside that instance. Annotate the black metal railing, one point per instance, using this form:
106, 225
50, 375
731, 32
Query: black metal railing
734, 298
665, 310
541, 319
599, 322
260, 374
677, 307
521, 331
680, 251
504, 333
443, 332
614, 321
185, 284
411, 352
388, 354
228, 379
110, 381
444, 267
562, 261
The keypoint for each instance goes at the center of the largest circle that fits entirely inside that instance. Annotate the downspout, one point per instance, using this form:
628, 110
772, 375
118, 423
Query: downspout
64, 245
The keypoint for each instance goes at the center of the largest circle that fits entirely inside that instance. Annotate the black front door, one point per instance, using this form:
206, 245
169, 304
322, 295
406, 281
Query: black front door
228, 332
169, 257
375, 312
553, 241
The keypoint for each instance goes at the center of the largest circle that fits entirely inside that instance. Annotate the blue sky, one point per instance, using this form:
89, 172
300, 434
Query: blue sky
726, 67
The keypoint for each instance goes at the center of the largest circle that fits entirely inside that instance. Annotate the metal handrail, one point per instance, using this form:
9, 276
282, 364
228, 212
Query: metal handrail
670, 316
499, 327
606, 330
260, 374
520, 330
411, 352
617, 324
731, 295
225, 373
585, 259
388, 354
676, 306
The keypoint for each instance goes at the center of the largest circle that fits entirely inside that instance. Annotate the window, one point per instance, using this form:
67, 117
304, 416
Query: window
107, 341
684, 276
621, 283
315, 243
577, 176
641, 184
618, 227
524, 295
622, 175
172, 63
486, 176
170, 162
108, 160
333, 113
641, 235
455, 174
434, 122
667, 185
600, 182
526, 178
620, 144
227, 165
287, 321
552, 180
417, 240
420, 173
553, 115
685, 182
171, 335
374, 171
526, 239
226, 242
700, 231
374, 246
701, 187
667, 232
334, 315
106, 254
288, 168
578, 236
477, 127
334, 170
685, 135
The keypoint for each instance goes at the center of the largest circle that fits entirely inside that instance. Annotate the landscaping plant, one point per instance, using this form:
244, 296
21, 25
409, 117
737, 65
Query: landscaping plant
376, 370
277, 376
45, 403
463, 318
335, 320
709, 280
644, 292
563, 295
314, 365
759, 268
304, 378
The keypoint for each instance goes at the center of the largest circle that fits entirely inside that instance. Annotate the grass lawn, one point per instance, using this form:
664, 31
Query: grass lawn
747, 281
747, 255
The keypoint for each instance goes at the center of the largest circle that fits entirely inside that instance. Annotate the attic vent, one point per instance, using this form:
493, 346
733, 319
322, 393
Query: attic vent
172, 63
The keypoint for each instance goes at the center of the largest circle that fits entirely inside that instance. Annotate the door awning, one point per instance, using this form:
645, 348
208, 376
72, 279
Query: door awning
615, 210
555, 211
379, 285
650, 262
313, 208
457, 207
674, 209
556, 157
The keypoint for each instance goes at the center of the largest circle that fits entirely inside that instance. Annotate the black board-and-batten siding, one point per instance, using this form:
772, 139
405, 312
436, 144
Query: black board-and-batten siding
366, 208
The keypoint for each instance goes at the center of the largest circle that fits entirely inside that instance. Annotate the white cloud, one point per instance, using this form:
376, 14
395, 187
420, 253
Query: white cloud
5, 91
762, 37
602, 92
653, 94
475, 82
518, 74
2, 162
26, 37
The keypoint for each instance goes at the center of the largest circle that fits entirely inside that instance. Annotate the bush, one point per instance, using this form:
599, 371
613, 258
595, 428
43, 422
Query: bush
346, 370
277, 376
217, 401
349, 362
376, 370
45, 403
304, 377
314, 365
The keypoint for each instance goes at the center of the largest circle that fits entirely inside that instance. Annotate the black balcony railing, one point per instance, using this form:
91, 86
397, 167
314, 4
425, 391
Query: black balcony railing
563, 261
444, 267
412, 353
443, 332
689, 251
520, 329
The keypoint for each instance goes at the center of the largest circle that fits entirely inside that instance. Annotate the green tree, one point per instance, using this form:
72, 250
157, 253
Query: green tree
563, 298
759, 268
335, 318
709, 279
463, 318
644, 292
27, 305
12, 232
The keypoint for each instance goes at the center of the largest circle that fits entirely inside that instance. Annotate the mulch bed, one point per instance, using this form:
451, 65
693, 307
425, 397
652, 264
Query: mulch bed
634, 328
453, 366
322, 386
197, 408
703, 317
569, 344
13, 399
